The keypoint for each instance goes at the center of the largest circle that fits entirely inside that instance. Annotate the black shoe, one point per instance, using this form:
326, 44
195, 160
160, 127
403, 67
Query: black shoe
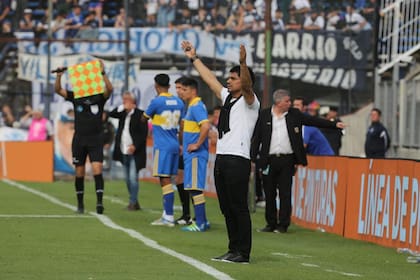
99, 208
280, 229
223, 257
267, 228
237, 258
80, 208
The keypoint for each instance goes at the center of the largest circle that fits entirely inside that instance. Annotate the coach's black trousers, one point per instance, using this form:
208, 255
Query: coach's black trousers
280, 176
231, 177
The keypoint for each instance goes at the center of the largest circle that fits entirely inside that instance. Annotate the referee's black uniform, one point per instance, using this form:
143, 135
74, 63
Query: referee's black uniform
88, 137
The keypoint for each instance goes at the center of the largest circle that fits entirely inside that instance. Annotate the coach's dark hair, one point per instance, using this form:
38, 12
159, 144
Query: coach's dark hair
377, 110
180, 80
237, 69
190, 82
304, 101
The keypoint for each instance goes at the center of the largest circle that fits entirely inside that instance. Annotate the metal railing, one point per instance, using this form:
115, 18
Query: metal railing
401, 111
398, 32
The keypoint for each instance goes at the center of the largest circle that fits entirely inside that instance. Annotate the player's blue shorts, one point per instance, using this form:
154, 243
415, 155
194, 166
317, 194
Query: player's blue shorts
165, 164
195, 169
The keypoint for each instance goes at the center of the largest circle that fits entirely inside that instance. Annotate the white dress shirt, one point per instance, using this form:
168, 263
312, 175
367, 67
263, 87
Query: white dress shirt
280, 141
126, 139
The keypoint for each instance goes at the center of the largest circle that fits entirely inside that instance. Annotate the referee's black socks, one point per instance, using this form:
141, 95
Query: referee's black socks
80, 188
99, 186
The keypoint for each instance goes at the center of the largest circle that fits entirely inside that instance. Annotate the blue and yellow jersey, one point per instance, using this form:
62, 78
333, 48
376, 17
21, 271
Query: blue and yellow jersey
165, 111
195, 116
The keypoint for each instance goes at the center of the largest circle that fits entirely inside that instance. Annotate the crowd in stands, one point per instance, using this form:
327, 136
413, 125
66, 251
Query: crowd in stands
80, 18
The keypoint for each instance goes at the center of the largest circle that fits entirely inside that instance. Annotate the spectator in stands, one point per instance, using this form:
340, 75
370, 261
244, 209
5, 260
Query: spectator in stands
218, 20
184, 20
120, 19
354, 21
314, 21
58, 25
6, 32
202, 20
25, 120
236, 18
64, 6
278, 23
369, 10
41, 28
193, 6
27, 23
74, 22
211, 4
333, 135
151, 10
97, 6
335, 19
293, 24
40, 128
166, 13
89, 29
4, 9
7, 115
298, 9
377, 138
314, 141
252, 20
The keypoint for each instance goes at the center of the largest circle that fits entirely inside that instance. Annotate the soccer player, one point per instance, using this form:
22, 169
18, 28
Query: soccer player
184, 195
165, 112
196, 128
88, 137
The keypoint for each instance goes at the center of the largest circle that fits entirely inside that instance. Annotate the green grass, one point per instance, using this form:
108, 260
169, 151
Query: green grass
84, 248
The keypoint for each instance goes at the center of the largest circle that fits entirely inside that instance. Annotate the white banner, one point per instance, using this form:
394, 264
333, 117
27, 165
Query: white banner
143, 41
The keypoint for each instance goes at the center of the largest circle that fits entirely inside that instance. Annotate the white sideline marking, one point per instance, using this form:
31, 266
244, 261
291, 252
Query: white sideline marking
310, 265
147, 241
289, 256
119, 201
343, 273
331, 270
46, 216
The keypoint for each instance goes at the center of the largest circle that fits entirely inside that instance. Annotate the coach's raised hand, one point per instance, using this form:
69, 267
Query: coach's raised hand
189, 49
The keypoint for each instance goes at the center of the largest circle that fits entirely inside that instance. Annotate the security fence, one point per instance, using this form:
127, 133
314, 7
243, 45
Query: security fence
400, 105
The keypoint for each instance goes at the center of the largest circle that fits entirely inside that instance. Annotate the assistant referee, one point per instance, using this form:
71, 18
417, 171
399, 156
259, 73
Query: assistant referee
88, 137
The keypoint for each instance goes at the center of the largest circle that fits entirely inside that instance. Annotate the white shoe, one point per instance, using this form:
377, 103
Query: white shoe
163, 222
260, 204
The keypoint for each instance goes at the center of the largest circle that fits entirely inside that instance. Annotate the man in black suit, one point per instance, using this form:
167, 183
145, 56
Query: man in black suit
130, 144
278, 141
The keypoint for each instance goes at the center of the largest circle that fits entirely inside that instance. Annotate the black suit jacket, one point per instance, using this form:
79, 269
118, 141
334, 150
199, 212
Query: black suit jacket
294, 120
138, 132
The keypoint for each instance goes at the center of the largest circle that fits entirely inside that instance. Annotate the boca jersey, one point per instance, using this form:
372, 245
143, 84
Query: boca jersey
194, 117
165, 112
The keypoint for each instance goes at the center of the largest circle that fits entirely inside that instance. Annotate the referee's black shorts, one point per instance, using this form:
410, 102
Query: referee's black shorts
83, 146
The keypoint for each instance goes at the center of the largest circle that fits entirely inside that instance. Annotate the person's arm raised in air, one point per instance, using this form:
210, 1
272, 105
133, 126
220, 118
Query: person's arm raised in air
57, 86
108, 86
205, 73
246, 81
